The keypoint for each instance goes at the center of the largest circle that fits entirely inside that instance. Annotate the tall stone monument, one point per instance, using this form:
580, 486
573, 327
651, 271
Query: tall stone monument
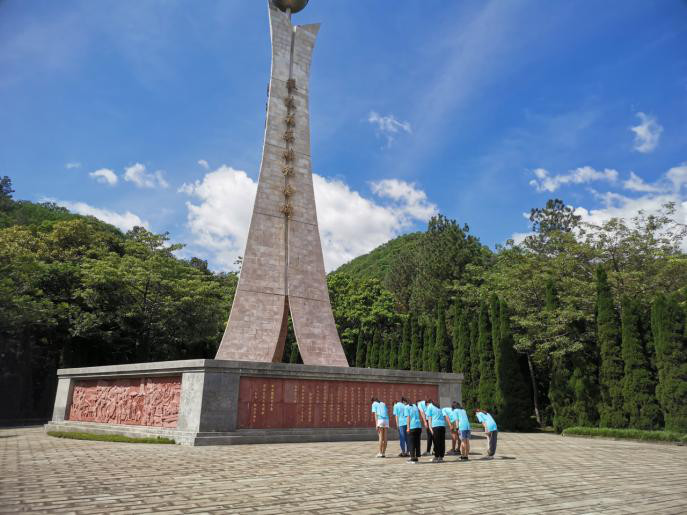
283, 269
246, 395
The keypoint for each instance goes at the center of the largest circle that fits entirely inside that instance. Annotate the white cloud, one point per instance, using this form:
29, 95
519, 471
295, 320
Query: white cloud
519, 237
636, 183
349, 223
72, 166
137, 174
678, 176
647, 133
388, 126
204, 164
546, 182
124, 221
105, 176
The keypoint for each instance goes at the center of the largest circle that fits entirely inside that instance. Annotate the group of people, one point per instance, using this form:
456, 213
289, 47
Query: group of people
411, 418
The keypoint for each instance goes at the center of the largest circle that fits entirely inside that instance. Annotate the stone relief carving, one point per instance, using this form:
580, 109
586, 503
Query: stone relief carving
151, 401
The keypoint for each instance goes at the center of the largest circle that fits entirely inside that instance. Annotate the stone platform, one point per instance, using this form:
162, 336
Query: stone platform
215, 402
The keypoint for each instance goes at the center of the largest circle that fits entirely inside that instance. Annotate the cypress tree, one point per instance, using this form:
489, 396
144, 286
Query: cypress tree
670, 341
514, 407
428, 348
561, 394
393, 353
473, 388
487, 374
415, 345
585, 384
641, 407
495, 325
461, 352
294, 355
404, 352
442, 359
360, 349
383, 361
375, 349
611, 373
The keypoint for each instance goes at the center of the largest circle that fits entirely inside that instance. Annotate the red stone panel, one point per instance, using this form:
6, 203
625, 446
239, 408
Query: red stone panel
274, 403
141, 401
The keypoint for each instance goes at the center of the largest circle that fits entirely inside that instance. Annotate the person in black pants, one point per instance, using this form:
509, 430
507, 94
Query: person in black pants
414, 423
422, 406
437, 422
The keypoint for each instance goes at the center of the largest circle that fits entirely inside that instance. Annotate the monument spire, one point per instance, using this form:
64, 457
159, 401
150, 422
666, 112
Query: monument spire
283, 269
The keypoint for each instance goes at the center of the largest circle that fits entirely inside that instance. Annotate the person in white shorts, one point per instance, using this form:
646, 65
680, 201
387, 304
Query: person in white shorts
381, 415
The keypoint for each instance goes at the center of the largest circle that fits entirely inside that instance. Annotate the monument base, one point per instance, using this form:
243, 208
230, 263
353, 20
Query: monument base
214, 402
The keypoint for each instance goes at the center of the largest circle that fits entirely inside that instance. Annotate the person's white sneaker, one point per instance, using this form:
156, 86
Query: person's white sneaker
379, 455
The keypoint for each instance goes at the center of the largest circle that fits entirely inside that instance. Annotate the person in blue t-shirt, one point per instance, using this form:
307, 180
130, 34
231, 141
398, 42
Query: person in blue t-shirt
414, 422
462, 424
381, 418
422, 406
448, 413
491, 430
437, 424
402, 425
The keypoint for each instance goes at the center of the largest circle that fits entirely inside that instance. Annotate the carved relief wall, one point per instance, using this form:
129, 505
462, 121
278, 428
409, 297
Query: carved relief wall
144, 401
288, 403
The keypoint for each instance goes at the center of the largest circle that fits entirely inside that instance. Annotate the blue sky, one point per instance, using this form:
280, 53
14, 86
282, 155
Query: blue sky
153, 112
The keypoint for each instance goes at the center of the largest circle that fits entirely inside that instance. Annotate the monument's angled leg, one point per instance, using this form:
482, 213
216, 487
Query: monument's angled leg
283, 265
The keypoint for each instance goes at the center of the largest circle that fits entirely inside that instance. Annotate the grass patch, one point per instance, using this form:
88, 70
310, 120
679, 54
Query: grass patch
629, 434
108, 438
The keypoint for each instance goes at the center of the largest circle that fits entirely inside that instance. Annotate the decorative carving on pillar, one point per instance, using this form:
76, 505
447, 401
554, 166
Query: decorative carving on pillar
152, 401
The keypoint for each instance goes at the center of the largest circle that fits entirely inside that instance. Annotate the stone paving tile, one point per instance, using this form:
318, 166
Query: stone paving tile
542, 474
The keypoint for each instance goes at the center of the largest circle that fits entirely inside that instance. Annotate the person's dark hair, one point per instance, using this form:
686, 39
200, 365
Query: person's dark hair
404, 400
429, 401
374, 399
454, 405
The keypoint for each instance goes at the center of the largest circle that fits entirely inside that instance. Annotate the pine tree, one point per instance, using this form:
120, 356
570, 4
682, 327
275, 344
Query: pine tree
416, 345
403, 362
487, 373
611, 409
428, 347
473, 388
393, 354
670, 340
461, 352
383, 359
360, 349
641, 407
514, 407
375, 350
442, 361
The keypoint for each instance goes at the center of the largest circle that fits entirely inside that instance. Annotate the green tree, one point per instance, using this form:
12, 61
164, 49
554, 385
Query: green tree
487, 375
514, 406
611, 373
461, 352
442, 349
375, 349
361, 347
5, 193
428, 352
416, 358
670, 340
473, 388
403, 362
384, 352
393, 353
641, 407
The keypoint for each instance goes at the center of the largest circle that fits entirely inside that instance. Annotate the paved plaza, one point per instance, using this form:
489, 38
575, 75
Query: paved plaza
533, 473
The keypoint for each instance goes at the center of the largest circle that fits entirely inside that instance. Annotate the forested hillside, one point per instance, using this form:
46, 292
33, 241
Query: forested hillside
75, 291
576, 325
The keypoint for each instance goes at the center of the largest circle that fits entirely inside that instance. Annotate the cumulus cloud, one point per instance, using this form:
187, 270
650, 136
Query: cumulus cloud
72, 166
204, 164
388, 126
105, 176
544, 181
124, 221
137, 174
349, 223
636, 183
678, 176
647, 133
